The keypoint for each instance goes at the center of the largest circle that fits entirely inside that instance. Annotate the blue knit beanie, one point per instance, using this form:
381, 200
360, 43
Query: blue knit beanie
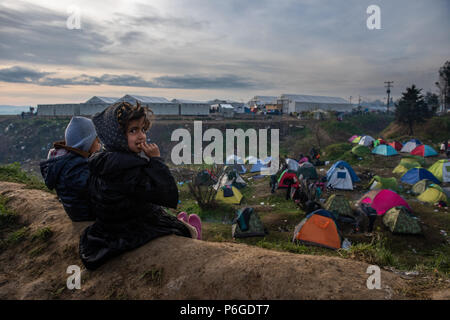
80, 133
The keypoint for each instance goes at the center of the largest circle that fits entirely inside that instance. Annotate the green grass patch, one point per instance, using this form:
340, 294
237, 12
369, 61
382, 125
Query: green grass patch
153, 276
7, 217
17, 236
14, 173
43, 234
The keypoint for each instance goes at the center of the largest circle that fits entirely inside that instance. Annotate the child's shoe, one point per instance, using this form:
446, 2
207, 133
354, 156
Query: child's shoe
194, 220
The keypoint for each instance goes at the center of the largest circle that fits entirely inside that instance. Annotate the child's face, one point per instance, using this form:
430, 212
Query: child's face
136, 135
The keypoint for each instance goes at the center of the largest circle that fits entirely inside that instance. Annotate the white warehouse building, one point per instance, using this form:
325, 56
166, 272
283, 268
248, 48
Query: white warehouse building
159, 106
298, 103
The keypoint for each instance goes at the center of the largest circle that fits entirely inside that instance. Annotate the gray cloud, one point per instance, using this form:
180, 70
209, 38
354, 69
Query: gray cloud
38, 35
19, 74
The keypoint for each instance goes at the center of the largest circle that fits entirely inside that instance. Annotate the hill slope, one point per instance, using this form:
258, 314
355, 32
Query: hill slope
167, 268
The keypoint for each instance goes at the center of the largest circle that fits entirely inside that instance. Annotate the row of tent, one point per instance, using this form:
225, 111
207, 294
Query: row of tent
257, 165
323, 227
382, 147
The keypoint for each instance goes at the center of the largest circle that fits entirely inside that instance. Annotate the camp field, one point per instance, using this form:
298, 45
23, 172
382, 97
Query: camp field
425, 259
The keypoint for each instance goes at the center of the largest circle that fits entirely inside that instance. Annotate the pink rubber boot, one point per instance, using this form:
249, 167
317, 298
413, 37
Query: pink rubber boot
194, 220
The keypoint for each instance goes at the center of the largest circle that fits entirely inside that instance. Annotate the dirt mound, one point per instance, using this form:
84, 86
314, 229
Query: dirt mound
170, 267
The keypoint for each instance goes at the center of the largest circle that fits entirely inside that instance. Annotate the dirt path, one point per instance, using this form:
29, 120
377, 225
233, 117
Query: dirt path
170, 267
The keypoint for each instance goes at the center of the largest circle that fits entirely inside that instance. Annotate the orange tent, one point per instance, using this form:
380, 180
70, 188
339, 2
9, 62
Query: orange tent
318, 228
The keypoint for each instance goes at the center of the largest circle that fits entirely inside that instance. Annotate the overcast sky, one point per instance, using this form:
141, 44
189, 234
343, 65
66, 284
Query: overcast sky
227, 49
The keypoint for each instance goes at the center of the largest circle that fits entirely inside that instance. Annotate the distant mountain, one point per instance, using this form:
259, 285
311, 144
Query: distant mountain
12, 110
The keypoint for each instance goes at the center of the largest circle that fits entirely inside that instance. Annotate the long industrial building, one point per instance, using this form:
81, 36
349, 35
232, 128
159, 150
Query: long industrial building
298, 103
159, 106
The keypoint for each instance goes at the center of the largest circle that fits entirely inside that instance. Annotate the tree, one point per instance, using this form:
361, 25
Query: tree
412, 108
432, 100
444, 85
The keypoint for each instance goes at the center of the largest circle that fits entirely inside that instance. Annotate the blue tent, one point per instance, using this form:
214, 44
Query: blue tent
344, 164
414, 175
258, 166
385, 150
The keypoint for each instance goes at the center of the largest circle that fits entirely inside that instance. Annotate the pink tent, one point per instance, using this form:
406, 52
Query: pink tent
384, 200
353, 138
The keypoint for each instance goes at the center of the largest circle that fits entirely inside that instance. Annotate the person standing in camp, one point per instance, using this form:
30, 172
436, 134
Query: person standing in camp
66, 168
127, 189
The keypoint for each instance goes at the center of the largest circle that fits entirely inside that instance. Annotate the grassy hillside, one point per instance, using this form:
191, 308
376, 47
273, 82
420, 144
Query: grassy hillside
433, 131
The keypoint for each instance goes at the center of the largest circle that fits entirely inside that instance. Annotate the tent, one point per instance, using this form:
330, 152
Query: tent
405, 165
366, 141
231, 159
411, 158
339, 205
385, 150
237, 163
416, 174
421, 186
409, 146
383, 200
441, 170
288, 179
400, 220
318, 228
343, 164
378, 183
424, 150
251, 159
340, 179
307, 170
205, 178
357, 139
258, 166
229, 194
416, 141
378, 142
433, 194
360, 150
292, 165
230, 177
247, 224
396, 145
352, 138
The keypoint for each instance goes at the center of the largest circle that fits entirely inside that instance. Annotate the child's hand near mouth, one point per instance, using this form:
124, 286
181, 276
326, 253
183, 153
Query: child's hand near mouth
150, 150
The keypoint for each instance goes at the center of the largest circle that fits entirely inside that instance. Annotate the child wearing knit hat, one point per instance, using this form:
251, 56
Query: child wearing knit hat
66, 168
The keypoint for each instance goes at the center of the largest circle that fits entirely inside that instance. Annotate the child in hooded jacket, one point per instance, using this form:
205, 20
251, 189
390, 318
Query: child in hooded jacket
66, 168
128, 184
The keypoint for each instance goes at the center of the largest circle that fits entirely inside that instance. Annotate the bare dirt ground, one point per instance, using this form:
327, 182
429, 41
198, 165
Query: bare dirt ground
171, 267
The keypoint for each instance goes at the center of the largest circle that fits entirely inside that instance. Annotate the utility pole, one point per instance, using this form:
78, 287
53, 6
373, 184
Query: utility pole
388, 86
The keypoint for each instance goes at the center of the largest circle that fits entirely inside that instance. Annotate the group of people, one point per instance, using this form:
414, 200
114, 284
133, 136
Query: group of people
105, 171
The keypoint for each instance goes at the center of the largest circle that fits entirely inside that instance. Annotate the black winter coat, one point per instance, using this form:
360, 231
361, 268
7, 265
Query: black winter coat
126, 191
69, 175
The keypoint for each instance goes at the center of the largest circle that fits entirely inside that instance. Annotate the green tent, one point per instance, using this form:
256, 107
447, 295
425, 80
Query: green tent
421, 186
361, 151
378, 183
307, 170
339, 205
399, 220
247, 224
413, 158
